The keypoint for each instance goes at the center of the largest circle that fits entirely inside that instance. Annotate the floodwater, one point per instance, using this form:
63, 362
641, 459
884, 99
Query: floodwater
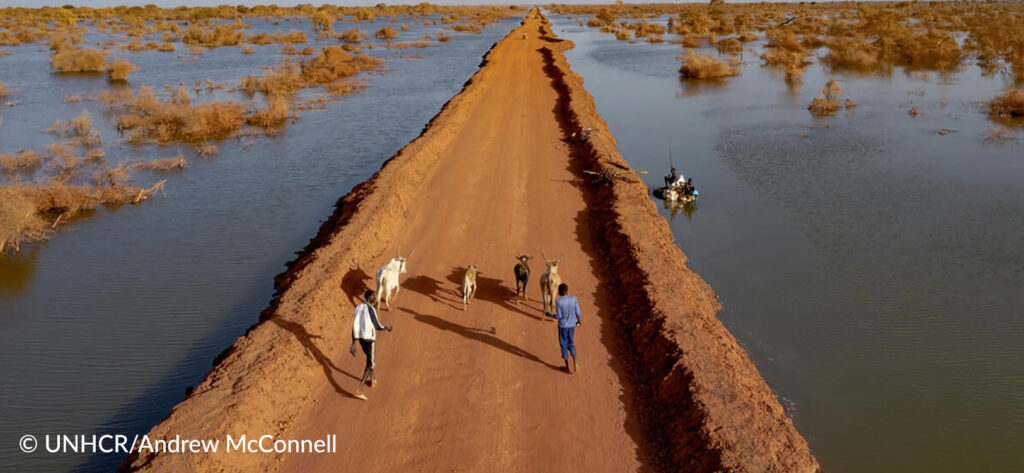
104, 327
872, 267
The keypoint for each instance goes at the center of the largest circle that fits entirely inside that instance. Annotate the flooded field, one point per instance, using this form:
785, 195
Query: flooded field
103, 327
870, 262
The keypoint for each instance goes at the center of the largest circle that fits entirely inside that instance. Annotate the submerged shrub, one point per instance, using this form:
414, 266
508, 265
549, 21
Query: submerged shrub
352, 35
120, 69
23, 162
145, 119
1008, 104
29, 213
333, 63
162, 165
386, 33
704, 66
828, 102
213, 37
851, 53
78, 60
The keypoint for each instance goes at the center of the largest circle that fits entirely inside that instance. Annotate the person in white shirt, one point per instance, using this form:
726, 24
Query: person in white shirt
364, 331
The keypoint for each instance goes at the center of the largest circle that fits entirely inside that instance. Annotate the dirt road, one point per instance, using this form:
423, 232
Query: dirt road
483, 389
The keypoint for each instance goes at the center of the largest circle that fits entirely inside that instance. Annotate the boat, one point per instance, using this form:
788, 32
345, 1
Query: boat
675, 195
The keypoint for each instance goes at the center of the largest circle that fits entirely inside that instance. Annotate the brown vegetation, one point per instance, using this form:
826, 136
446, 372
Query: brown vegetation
79, 60
1009, 104
870, 37
213, 36
333, 63
22, 162
120, 69
352, 35
828, 102
143, 118
30, 213
386, 33
162, 165
704, 66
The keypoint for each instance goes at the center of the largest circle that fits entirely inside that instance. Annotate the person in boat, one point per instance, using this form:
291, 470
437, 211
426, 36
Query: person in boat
670, 180
688, 187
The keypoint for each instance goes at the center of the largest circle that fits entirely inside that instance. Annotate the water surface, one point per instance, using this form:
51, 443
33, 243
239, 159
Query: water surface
104, 327
872, 267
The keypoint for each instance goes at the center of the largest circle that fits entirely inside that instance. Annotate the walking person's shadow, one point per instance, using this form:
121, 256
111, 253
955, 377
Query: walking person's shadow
306, 339
480, 335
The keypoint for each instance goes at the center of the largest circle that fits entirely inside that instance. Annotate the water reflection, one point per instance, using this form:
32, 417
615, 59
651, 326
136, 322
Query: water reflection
694, 88
16, 270
675, 209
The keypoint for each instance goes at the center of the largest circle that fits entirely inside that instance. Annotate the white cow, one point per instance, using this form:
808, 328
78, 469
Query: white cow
387, 280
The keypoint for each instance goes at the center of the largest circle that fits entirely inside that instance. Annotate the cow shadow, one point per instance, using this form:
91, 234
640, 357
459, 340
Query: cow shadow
354, 283
489, 290
431, 288
486, 336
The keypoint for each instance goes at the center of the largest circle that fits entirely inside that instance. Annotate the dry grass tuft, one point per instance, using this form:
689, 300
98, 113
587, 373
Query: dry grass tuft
146, 119
704, 66
24, 162
162, 165
120, 69
353, 35
213, 36
335, 63
30, 213
1009, 104
79, 127
276, 112
79, 60
386, 33
828, 102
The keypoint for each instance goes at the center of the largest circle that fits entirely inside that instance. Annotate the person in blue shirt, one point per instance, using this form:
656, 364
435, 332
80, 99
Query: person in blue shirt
567, 311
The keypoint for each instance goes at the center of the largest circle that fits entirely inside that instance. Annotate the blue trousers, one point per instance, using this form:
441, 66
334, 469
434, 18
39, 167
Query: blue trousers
566, 341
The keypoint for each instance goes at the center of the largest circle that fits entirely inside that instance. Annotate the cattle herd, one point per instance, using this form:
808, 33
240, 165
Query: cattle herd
387, 281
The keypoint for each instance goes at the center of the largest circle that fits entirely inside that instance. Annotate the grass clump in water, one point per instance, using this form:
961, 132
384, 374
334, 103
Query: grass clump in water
120, 69
704, 66
1008, 104
22, 162
828, 102
79, 60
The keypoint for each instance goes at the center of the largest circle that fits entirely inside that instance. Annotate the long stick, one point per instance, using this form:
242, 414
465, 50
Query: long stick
670, 158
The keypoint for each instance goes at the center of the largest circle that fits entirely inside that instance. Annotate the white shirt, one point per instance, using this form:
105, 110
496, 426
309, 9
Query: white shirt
365, 325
